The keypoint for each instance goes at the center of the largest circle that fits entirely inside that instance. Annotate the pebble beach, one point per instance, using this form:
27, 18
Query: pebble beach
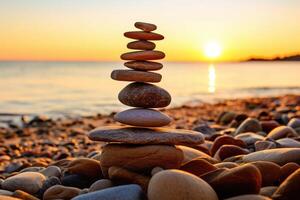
254, 139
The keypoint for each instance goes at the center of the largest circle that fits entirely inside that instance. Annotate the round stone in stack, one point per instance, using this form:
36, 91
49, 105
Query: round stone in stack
144, 95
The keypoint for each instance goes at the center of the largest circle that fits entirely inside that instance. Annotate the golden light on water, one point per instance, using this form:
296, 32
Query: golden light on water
211, 79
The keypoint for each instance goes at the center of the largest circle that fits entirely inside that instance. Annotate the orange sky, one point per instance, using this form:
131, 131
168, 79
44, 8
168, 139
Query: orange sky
93, 30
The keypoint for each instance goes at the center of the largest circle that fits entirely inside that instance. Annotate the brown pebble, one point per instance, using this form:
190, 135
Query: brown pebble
287, 170
141, 45
124, 176
141, 35
198, 167
145, 26
143, 55
133, 75
144, 65
144, 95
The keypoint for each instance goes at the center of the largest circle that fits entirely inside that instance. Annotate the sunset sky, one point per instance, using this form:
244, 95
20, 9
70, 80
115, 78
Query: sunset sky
92, 30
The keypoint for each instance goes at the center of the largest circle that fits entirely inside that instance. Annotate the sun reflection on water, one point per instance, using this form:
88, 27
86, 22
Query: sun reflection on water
211, 78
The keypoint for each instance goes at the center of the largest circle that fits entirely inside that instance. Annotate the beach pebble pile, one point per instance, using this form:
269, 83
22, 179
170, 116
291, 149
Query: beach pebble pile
246, 149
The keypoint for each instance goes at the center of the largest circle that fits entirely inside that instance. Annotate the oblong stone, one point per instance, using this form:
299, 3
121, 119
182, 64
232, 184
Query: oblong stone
145, 26
143, 55
142, 117
135, 135
133, 75
141, 35
279, 156
144, 65
140, 158
144, 95
141, 44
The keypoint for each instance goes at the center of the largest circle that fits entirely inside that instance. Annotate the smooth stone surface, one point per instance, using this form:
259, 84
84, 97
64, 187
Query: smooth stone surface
288, 142
198, 167
249, 197
124, 192
121, 175
141, 45
29, 182
279, 156
282, 132
289, 189
134, 135
141, 35
100, 185
143, 55
140, 158
143, 65
60, 192
86, 167
134, 75
144, 95
3, 197
263, 145
294, 123
226, 139
155, 170
227, 165
51, 171
145, 26
6, 192
50, 181
191, 153
245, 179
268, 126
250, 138
24, 195
249, 125
228, 150
179, 185
287, 170
269, 171
142, 117
268, 191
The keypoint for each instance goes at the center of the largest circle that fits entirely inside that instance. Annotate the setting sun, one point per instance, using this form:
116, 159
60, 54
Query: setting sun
212, 49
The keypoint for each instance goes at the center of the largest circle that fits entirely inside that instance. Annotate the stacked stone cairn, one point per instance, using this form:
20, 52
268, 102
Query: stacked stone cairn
141, 148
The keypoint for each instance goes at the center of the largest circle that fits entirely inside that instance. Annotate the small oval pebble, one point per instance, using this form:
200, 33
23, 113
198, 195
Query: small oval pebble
29, 182
144, 95
141, 45
145, 26
133, 75
100, 185
143, 55
85, 166
178, 185
142, 117
141, 35
60, 192
144, 65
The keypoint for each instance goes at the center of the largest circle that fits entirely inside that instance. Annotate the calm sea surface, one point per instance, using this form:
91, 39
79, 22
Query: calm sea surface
79, 88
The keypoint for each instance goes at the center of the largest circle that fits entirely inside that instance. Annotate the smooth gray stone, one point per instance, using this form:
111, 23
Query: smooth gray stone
124, 192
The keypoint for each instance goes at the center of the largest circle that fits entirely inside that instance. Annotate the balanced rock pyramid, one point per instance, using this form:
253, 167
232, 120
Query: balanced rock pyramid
141, 144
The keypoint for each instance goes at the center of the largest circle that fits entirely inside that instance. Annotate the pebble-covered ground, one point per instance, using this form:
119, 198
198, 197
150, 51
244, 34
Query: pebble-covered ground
251, 151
